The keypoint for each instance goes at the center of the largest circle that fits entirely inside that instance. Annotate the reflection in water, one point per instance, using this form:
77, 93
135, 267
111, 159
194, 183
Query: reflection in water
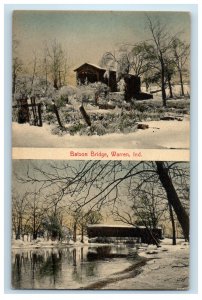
106, 252
67, 268
52, 266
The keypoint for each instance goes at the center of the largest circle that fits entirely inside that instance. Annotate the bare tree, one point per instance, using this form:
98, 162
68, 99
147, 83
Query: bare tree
170, 72
164, 173
127, 59
35, 212
44, 68
96, 183
180, 52
53, 222
138, 57
17, 65
173, 223
34, 69
81, 218
124, 215
53, 215
149, 206
145, 206
86, 218
19, 213
75, 215
56, 60
161, 42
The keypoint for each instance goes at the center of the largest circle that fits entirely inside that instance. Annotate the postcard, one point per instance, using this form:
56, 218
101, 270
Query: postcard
100, 157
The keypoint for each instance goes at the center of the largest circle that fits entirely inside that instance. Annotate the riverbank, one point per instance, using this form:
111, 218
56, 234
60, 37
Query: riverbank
165, 268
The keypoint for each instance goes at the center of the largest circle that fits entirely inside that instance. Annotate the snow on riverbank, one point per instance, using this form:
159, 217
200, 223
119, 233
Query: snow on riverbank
167, 268
164, 268
40, 243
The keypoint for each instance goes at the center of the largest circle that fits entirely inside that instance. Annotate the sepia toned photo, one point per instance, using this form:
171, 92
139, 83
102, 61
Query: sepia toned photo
100, 150
101, 79
92, 225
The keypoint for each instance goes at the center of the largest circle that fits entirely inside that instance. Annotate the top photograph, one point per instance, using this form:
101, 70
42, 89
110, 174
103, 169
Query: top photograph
101, 79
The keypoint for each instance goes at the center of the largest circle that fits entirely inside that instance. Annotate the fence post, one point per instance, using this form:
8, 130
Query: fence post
56, 112
40, 124
85, 115
33, 103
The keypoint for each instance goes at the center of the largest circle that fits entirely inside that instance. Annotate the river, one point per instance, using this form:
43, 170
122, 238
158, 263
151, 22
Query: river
70, 267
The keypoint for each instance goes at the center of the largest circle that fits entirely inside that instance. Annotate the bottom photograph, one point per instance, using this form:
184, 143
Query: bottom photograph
100, 225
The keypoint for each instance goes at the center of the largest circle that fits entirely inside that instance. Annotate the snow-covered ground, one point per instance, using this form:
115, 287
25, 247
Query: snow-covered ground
160, 134
176, 89
167, 269
41, 243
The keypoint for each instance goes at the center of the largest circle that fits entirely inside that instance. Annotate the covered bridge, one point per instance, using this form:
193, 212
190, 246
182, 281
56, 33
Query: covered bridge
103, 232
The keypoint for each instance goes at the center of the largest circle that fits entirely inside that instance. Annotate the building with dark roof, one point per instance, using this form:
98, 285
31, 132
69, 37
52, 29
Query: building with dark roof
90, 73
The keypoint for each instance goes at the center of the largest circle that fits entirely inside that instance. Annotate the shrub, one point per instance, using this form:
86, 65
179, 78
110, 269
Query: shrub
64, 95
59, 131
86, 93
75, 128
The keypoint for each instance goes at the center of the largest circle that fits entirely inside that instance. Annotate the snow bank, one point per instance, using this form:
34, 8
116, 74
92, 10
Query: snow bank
166, 269
160, 134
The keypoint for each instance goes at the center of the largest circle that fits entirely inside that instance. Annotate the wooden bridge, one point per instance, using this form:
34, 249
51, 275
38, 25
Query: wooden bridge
101, 232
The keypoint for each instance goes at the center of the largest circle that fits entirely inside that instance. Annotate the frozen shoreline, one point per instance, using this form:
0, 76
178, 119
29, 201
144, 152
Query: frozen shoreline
163, 268
166, 269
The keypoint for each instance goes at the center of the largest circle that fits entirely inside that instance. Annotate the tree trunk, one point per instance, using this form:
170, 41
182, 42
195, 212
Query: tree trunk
59, 76
173, 198
34, 235
19, 228
147, 86
74, 257
55, 84
34, 226
74, 233
17, 236
152, 237
181, 83
82, 234
33, 103
173, 223
81, 254
57, 115
34, 73
40, 123
14, 84
46, 80
163, 83
170, 88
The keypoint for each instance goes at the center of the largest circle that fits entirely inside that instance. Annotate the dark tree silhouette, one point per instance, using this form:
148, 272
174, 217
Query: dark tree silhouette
92, 184
161, 43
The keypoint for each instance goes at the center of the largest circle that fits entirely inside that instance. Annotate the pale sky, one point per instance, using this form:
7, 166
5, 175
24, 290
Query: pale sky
123, 202
21, 167
87, 35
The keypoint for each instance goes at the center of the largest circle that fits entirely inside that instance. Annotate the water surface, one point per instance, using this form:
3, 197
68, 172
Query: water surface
68, 268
